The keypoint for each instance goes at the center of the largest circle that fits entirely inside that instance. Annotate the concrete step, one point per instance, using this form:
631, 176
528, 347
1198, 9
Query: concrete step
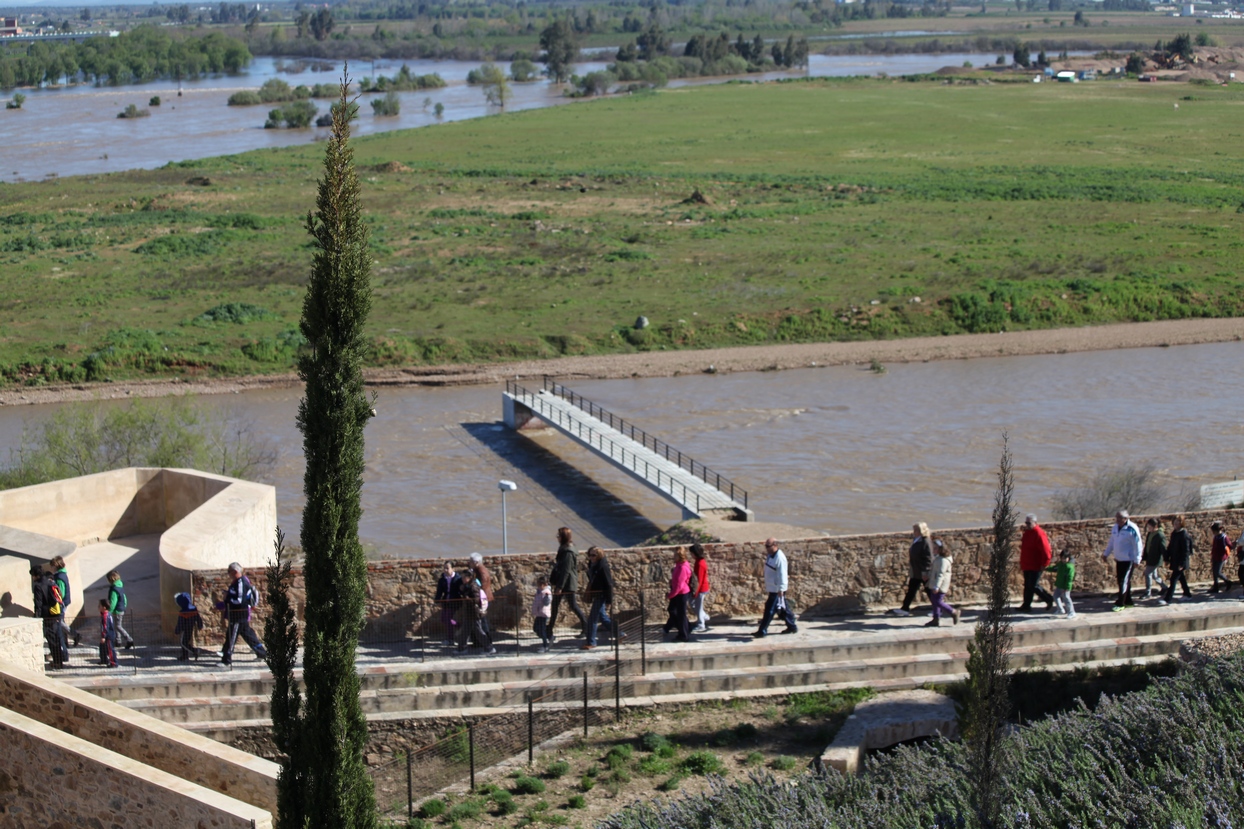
912, 670
868, 638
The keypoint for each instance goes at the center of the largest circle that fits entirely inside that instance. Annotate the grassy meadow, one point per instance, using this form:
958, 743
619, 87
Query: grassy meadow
830, 210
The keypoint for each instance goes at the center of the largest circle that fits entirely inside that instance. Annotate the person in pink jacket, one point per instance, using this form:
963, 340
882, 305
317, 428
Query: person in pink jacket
680, 593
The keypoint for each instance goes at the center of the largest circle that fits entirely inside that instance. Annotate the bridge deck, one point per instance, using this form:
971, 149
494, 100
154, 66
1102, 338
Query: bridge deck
658, 466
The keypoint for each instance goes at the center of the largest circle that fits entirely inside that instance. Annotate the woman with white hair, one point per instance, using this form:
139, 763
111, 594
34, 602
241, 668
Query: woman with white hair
919, 560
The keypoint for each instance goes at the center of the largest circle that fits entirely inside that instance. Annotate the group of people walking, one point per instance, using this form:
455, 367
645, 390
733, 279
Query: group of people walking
53, 595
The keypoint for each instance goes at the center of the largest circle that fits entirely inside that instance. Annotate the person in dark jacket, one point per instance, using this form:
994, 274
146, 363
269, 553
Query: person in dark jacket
600, 591
188, 621
1220, 551
107, 636
472, 627
50, 611
118, 603
237, 606
1178, 556
565, 581
919, 560
449, 597
1154, 555
60, 575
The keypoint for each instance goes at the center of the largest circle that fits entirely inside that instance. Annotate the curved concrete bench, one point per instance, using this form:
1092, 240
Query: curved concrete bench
889, 719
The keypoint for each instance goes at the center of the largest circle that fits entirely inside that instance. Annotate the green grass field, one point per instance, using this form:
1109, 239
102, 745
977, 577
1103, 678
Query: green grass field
830, 207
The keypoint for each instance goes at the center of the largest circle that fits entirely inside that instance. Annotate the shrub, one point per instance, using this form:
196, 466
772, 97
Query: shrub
466, 810
653, 742
754, 758
701, 762
275, 91
389, 105
432, 808
557, 769
587, 783
576, 801
784, 762
132, 111
671, 784
296, 115
527, 785
154, 101
725, 738
1132, 486
746, 731
619, 756
16, 101
506, 804
245, 98
653, 765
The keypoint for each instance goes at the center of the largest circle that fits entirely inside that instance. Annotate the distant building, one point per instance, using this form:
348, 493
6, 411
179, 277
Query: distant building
9, 27
1067, 76
1088, 75
1187, 10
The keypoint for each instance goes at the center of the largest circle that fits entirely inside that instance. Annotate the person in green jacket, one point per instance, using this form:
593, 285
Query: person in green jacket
118, 603
1064, 576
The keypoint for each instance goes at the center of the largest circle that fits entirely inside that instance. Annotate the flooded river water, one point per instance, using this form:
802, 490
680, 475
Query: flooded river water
839, 450
75, 131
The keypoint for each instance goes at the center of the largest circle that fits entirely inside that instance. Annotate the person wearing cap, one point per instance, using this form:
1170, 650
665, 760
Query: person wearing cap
1034, 557
1125, 547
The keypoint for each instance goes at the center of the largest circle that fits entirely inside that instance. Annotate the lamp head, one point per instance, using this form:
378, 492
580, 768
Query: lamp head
507, 486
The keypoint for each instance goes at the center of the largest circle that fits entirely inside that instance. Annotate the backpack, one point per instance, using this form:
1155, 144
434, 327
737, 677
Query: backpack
693, 584
252, 595
58, 604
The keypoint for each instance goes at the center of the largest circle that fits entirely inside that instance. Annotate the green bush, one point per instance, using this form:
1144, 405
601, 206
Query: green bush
576, 801
466, 810
587, 783
725, 738
653, 765
671, 784
701, 762
653, 742
132, 111
746, 731
389, 105
557, 769
432, 808
784, 763
619, 756
824, 703
754, 758
505, 805
527, 785
245, 98
237, 313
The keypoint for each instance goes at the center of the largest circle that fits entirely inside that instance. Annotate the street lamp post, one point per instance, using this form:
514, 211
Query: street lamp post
505, 486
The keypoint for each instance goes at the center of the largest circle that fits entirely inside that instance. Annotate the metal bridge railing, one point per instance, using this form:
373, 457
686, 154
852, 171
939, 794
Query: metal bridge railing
630, 430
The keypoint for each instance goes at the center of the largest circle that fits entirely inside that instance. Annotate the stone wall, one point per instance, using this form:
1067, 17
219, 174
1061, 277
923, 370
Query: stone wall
21, 644
828, 575
53, 780
139, 737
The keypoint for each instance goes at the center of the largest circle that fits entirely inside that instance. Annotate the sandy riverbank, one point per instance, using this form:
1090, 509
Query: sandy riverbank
673, 363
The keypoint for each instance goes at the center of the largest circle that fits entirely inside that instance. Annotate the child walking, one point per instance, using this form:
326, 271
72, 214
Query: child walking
188, 621
939, 584
449, 596
107, 636
541, 607
1064, 576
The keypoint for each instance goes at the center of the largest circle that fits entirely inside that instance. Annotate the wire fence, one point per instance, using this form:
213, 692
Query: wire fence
559, 697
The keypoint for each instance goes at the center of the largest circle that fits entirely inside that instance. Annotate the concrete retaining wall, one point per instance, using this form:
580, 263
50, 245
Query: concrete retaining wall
52, 779
21, 644
142, 738
828, 575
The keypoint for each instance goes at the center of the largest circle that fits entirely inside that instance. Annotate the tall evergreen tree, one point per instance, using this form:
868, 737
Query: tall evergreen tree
331, 416
280, 634
988, 698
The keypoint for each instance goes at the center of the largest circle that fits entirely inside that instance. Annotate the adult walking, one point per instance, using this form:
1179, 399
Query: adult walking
449, 597
1034, 557
50, 610
60, 577
565, 581
680, 593
118, 603
485, 588
939, 584
919, 559
237, 604
1219, 552
600, 591
1179, 557
1154, 556
700, 597
1124, 546
776, 583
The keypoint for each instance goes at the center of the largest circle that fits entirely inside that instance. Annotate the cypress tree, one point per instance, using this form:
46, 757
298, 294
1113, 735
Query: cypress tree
280, 634
988, 688
331, 416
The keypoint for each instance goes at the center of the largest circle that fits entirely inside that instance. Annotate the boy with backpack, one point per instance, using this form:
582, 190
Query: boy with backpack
107, 636
237, 604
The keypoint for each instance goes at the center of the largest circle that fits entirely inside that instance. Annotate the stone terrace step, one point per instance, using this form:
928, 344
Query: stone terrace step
783, 678
863, 639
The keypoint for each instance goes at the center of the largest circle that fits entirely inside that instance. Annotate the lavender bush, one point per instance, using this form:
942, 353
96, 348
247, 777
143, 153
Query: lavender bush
1168, 757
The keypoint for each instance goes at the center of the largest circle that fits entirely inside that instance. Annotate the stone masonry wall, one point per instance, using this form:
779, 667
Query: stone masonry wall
828, 575
158, 744
21, 643
52, 780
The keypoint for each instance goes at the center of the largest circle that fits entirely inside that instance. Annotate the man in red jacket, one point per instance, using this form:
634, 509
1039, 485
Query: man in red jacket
1034, 557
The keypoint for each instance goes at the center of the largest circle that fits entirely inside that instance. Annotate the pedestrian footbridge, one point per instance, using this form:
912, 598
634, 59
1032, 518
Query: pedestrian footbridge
684, 480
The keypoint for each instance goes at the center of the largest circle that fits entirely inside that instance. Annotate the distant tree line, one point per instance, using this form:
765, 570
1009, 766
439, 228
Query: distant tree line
144, 54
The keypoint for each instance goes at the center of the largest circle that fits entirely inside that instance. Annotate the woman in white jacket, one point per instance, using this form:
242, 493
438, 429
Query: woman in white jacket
939, 584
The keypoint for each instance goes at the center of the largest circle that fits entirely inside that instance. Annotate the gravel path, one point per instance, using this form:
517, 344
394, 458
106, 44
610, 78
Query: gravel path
673, 363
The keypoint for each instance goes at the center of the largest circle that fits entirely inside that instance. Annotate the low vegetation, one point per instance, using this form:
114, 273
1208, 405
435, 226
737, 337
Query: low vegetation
1156, 757
740, 214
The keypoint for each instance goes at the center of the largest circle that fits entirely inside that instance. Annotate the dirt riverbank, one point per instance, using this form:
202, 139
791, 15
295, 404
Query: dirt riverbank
674, 363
